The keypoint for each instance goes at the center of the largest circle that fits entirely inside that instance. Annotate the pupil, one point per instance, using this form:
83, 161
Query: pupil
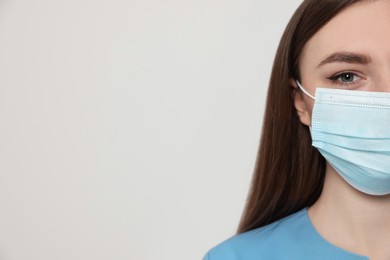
347, 77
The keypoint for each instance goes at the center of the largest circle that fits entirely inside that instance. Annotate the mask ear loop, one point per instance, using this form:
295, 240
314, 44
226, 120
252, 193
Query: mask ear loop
304, 90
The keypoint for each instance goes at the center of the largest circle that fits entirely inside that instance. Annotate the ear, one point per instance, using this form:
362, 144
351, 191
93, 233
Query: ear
300, 103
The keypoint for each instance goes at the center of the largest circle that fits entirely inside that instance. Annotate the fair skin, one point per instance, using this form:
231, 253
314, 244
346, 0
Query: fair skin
352, 52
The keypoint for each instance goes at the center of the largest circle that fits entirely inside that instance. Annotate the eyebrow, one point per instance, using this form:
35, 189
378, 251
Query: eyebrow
347, 57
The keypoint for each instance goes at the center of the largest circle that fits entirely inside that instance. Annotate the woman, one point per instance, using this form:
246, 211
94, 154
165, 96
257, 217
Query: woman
322, 179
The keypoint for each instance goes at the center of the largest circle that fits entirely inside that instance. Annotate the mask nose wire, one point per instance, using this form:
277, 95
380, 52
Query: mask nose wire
304, 90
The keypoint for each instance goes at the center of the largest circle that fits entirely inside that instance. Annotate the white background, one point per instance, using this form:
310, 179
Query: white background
129, 129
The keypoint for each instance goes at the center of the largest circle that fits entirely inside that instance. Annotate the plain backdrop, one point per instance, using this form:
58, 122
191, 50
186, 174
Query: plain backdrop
129, 129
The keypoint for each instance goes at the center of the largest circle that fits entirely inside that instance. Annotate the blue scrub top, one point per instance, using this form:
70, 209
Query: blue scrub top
293, 237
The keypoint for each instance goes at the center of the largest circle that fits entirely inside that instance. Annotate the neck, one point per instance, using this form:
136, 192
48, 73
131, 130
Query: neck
352, 220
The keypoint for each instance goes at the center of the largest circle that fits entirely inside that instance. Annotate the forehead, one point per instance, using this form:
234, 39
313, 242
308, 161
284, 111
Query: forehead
363, 27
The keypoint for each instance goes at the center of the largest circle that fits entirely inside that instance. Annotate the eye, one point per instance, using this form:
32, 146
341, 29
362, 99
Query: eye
345, 78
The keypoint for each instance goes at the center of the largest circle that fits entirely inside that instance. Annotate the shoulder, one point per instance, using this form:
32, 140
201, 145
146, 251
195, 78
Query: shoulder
281, 237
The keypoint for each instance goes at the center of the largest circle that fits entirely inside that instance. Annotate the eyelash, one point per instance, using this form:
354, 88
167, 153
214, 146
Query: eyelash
336, 79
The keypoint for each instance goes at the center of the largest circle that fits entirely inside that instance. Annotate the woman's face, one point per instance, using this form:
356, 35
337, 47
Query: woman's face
352, 51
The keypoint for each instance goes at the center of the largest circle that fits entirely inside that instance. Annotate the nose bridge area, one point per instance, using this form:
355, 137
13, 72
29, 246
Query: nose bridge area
386, 82
382, 79
382, 84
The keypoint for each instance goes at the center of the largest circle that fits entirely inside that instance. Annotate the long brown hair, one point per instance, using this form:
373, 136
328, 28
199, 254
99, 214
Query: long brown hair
289, 172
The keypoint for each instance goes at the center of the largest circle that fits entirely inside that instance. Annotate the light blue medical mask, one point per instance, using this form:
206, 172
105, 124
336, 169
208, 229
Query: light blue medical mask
351, 129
